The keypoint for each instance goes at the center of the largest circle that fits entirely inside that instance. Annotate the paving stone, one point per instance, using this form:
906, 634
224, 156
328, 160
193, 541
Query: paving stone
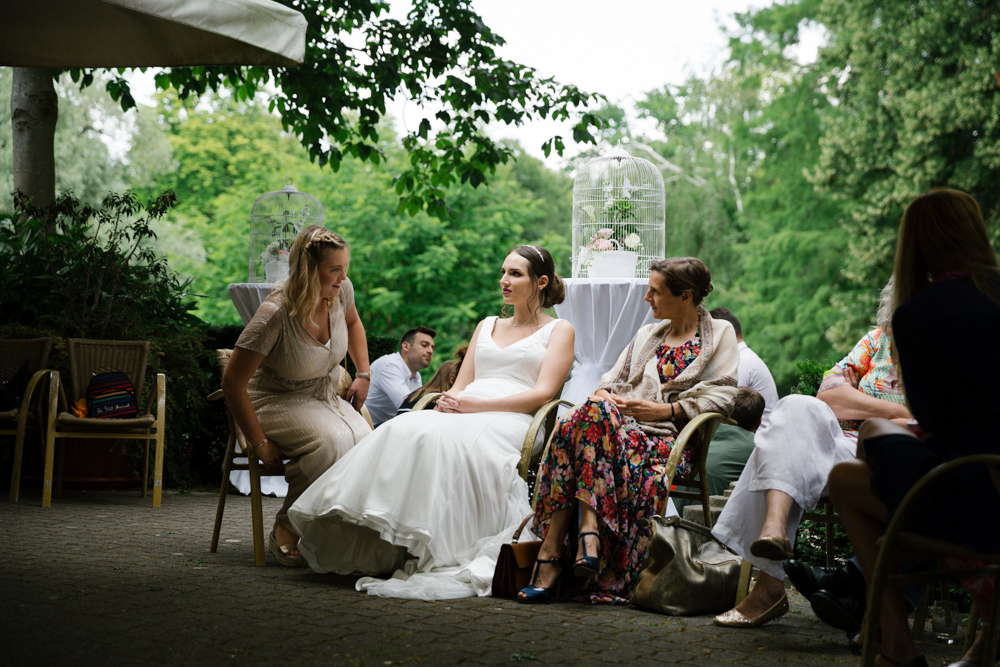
103, 578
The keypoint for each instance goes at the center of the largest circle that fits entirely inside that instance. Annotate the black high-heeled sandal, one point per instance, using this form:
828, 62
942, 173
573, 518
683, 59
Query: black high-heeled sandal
586, 566
536, 594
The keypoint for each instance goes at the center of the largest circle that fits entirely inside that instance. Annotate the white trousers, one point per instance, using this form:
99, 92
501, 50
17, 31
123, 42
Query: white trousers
793, 454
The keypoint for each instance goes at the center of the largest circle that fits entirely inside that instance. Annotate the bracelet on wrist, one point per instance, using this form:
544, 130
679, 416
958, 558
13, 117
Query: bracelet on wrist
366, 375
672, 415
260, 443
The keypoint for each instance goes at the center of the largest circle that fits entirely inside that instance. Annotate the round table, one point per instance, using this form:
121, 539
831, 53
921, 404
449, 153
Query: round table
606, 313
247, 297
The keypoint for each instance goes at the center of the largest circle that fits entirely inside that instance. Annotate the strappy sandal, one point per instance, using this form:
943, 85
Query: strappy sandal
281, 553
586, 566
536, 594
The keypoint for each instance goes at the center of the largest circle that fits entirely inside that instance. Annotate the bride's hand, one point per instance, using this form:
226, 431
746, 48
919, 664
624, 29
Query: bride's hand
447, 403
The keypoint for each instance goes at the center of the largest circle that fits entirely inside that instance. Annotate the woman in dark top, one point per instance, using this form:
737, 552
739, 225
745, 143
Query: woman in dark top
947, 297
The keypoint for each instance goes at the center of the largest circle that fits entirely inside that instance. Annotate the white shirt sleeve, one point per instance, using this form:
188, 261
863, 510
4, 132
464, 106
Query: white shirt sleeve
755, 374
392, 381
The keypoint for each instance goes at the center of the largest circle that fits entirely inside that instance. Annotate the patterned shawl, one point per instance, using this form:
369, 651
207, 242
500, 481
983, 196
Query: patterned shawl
707, 384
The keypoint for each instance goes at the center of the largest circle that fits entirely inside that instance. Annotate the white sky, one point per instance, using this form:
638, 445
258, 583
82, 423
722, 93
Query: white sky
621, 49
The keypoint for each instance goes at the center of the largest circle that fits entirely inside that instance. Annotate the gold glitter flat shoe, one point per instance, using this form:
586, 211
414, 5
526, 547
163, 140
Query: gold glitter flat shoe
772, 547
735, 619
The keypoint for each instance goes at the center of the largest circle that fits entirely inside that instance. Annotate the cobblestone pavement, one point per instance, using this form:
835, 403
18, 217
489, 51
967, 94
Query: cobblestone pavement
103, 578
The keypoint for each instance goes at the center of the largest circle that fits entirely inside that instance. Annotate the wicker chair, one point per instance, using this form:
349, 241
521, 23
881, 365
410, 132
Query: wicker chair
897, 544
244, 459
708, 422
29, 415
86, 358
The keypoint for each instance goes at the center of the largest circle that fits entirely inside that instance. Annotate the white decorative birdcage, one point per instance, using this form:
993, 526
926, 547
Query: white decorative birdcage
275, 220
619, 221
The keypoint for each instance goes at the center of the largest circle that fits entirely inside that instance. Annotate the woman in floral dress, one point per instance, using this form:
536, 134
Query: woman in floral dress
606, 466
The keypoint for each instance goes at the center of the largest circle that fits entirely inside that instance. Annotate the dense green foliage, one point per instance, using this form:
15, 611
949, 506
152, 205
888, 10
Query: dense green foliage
358, 59
92, 276
407, 270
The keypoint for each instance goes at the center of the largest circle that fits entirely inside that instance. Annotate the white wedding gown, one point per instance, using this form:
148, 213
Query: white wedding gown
442, 487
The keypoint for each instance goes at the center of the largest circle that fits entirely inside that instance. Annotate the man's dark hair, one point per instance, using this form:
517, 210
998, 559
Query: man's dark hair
748, 409
727, 315
411, 335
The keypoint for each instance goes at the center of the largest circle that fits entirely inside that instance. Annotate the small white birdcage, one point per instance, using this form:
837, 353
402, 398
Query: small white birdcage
618, 217
275, 220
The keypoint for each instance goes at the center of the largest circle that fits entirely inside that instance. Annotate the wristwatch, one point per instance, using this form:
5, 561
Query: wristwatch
364, 374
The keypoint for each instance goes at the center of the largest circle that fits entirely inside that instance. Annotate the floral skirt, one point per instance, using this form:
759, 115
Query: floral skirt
600, 458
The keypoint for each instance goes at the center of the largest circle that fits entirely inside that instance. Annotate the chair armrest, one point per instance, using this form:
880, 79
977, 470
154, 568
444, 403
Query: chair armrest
541, 414
160, 395
424, 400
706, 421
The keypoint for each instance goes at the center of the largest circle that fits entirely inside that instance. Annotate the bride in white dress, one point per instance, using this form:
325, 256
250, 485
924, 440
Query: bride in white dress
431, 496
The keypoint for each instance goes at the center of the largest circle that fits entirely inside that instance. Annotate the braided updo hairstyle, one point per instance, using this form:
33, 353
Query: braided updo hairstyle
540, 263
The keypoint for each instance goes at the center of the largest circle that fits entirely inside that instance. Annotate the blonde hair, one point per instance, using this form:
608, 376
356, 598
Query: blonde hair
302, 285
943, 231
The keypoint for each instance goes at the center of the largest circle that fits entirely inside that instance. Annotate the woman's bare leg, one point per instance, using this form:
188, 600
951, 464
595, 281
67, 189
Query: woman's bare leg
864, 517
552, 548
779, 504
589, 524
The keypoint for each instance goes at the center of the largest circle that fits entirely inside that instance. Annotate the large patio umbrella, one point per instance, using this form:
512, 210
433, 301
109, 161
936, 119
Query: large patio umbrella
37, 36
149, 33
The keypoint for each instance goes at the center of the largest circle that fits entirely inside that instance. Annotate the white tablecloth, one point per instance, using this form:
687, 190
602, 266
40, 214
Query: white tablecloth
606, 313
247, 297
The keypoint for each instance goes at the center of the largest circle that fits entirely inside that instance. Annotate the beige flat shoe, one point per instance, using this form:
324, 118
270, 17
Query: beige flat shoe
736, 619
772, 547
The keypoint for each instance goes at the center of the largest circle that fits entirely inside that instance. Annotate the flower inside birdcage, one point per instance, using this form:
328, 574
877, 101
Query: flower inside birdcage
274, 253
622, 234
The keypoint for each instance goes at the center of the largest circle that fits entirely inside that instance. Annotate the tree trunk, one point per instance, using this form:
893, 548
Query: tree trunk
34, 108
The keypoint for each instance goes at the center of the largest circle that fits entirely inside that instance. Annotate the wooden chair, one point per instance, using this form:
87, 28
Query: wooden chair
708, 423
231, 462
897, 544
29, 414
87, 358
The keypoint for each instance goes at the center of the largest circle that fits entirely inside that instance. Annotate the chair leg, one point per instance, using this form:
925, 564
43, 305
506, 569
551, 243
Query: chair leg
227, 468
920, 615
60, 465
145, 468
705, 503
257, 513
158, 469
50, 440
828, 509
972, 629
743, 588
992, 626
15, 475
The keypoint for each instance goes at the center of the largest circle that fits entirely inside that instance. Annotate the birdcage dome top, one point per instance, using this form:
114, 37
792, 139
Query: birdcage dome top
288, 202
619, 168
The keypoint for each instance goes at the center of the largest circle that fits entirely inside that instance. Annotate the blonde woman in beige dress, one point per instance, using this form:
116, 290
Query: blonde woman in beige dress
281, 380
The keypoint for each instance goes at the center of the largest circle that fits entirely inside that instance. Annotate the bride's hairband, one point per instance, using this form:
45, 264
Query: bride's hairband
535, 248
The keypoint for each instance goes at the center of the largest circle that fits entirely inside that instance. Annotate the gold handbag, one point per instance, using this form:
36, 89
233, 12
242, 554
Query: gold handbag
681, 579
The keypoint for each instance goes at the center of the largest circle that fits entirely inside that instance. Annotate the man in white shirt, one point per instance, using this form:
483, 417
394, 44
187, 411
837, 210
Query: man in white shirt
753, 371
395, 375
